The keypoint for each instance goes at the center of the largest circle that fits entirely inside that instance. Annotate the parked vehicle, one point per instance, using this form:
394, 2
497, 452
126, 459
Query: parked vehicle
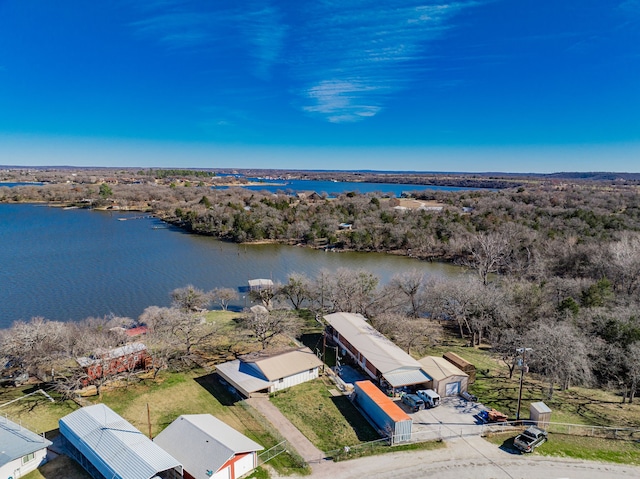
430, 397
413, 401
531, 438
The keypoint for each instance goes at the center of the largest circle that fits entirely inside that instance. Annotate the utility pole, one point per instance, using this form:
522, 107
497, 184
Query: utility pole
523, 366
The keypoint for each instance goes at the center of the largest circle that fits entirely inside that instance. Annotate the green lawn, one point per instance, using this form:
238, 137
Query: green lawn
329, 422
172, 394
194, 392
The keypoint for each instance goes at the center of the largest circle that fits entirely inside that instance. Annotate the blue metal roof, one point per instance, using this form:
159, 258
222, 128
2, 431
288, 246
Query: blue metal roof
114, 447
16, 441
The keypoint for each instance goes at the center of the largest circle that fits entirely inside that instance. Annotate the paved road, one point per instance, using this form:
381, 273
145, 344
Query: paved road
463, 457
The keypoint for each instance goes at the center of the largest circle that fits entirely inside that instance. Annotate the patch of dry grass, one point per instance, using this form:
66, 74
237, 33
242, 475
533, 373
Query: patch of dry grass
62, 467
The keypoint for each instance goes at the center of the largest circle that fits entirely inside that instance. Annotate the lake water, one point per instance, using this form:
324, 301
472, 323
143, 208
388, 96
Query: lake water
334, 188
68, 264
11, 185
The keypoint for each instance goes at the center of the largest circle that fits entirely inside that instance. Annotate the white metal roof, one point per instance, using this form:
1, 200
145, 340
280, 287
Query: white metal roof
202, 443
114, 353
260, 283
284, 364
439, 368
372, 344
114, 447
16, 441
405, 377
244, 377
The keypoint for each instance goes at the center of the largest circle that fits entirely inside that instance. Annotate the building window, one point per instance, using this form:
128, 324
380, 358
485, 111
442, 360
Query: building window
281, 380
28, 457
310, 371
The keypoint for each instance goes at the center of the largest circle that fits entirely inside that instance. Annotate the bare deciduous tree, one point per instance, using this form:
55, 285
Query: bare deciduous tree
190, 299
559, 354
297, 290
223, 296
265, 324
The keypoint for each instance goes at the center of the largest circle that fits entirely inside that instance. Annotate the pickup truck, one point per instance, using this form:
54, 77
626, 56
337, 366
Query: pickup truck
531, 438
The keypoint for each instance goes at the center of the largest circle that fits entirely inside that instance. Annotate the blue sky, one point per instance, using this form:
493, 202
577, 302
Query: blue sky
497, 85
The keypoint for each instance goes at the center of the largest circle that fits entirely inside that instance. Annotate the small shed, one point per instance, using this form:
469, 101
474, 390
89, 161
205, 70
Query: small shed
540, 413
462, 364
209, 448
260, 284
385, 414
447, 379
21, 451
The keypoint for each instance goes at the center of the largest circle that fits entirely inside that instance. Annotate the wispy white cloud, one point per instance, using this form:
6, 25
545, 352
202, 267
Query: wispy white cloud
265, 32
354, 55
342, 60
256, 25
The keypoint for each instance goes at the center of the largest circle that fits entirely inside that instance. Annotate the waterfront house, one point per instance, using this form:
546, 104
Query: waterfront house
261, 373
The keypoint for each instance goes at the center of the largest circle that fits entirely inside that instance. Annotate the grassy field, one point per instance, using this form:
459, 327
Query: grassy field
580, 447
577, 405
172, 394
329, 422
194, 392
35, 412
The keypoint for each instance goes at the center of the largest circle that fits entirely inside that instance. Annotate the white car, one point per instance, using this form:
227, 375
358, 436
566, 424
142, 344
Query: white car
429, 396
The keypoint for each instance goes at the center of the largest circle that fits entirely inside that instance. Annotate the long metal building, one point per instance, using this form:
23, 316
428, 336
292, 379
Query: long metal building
109, 447
385, 415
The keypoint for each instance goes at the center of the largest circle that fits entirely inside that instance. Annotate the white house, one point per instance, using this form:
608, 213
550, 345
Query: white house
208, 448
260, 373
21, 451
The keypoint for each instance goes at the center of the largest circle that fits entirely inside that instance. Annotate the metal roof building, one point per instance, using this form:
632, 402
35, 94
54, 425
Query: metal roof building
374, 352
448, 380
109, 447
261, 372
209, 448
21, 451
385, 414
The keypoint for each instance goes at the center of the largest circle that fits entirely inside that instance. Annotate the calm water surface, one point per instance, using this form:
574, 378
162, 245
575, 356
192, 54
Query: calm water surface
334, 188
71, 264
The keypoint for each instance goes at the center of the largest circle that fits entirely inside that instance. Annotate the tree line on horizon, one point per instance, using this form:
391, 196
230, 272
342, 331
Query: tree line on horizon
556, 266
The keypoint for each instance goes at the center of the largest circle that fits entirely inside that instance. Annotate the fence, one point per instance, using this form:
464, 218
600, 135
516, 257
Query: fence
266, 456
273, 432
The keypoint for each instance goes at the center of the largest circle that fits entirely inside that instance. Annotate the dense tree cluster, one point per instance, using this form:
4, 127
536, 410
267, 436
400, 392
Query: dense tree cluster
558, 264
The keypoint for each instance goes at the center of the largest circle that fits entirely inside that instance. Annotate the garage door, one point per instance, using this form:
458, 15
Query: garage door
452, 389
243, 466
223, 473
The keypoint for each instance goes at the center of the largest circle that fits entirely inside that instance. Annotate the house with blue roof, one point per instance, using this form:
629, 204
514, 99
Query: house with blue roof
21, 450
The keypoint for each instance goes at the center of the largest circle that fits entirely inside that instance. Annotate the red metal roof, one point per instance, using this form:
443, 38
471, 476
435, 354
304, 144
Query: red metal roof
386, 404
136, 331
